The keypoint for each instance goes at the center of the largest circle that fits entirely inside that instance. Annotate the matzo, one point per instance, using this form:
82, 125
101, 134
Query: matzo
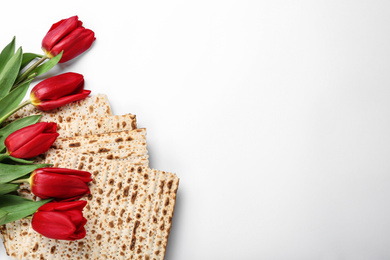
68, 119
93, 106
128, 205
126, 145
97, 125
90, 107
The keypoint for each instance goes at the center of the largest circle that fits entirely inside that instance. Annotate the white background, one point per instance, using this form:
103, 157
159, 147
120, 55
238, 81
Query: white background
274, 114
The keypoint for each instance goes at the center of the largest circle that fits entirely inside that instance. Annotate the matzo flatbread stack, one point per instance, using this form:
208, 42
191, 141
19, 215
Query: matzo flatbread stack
129, 211
90, 108
130, 207
102, 125
101, 142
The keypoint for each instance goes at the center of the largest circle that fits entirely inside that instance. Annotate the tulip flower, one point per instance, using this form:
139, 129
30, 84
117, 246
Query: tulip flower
59, 183
58, 91
60, 220
32, 140
69, 36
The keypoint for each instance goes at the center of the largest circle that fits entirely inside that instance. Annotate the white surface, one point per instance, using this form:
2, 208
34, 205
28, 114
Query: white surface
274, 114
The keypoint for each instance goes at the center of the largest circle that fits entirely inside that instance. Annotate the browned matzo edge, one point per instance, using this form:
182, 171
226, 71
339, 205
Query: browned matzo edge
133, 220
3, 233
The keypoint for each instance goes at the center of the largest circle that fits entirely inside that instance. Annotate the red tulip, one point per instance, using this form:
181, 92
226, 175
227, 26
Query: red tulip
60, 220
59, 183
67, 35
32, 140
58, 91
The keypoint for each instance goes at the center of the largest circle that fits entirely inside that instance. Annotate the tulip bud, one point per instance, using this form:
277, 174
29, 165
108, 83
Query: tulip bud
67, 35
59, 183
32, 140
60, 220
58, 91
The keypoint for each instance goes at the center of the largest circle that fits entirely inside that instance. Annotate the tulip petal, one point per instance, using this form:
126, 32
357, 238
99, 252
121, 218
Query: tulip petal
54, 225
51, 185
71, 198
61, 220
58, 31
15, 140
82, 175
74, 44
51, 127
63, 206
49, 105
55, 25
80, 232
76, 216
58, 86
16, 125
36, 146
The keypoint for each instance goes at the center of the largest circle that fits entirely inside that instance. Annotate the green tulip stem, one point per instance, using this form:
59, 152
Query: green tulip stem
25, 74
21, 181
25, 103
4, 156
31, 76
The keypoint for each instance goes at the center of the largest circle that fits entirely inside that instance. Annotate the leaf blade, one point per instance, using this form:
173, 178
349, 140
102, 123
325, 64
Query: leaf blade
11, 100
3, 215
45, 67
7, 53
18, 207
9, 172
7, 188
28, 57
9, 73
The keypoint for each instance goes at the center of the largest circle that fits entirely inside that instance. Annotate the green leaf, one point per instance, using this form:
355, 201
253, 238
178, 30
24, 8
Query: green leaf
45, 67
7, 188
13, 99
9, 73
28, 57
3, 215
9, 172
16, 125
7, 53
18, 207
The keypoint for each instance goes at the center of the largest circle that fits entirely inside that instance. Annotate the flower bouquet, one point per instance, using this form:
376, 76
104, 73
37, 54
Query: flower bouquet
57, 215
